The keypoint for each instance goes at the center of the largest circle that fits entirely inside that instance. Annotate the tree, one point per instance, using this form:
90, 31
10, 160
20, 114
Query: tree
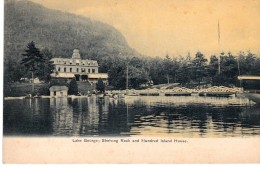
100, 86
46, 67
183, 72
73, 87
12, 71
136, 62
213, 69
199, 65
137, 76
32, 58
229, 70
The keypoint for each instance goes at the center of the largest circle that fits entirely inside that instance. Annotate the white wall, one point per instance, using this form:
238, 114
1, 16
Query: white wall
59, 93
74, 69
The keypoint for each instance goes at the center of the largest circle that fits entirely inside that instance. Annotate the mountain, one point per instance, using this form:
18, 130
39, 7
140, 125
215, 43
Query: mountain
60, 32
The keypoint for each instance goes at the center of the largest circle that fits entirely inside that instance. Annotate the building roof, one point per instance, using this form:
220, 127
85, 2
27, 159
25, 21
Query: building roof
62, 75
97, 75
74, 61
58, 88
248, 77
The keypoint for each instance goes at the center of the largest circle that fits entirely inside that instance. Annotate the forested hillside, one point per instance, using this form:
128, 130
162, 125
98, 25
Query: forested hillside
60, 32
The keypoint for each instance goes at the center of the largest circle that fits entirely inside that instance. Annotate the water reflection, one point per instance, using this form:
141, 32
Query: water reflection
175, 116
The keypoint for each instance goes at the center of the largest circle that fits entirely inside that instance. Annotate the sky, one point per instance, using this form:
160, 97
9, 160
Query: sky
175, 27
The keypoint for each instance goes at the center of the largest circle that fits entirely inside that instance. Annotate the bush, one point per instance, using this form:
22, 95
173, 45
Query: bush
73, 87
100, 86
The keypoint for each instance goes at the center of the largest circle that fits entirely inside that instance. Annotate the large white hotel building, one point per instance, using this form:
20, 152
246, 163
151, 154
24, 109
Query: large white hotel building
81, 69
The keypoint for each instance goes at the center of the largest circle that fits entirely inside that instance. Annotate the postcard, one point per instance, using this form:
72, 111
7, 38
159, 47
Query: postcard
131, 82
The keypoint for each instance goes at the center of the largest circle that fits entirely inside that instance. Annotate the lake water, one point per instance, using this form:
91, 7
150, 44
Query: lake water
177, 116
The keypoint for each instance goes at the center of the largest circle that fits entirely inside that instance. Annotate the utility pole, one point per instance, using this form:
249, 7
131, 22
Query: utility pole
238, 67
127, 76
32, 83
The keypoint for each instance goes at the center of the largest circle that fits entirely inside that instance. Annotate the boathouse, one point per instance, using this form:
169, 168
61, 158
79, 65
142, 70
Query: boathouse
58, 91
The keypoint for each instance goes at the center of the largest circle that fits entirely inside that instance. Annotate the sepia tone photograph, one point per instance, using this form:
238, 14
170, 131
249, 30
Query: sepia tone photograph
87, 75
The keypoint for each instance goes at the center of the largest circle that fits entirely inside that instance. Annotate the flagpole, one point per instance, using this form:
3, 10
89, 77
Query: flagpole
219, 48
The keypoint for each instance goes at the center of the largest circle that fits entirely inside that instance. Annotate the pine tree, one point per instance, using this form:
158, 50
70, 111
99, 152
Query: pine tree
46, 67
32, 59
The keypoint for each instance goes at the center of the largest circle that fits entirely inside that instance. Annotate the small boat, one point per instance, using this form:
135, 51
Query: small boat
132, 94
150, 94
108, 94
36, 97
217, 94
29, 96
178, 94
100, 96
14, 98
115, 96
121, 96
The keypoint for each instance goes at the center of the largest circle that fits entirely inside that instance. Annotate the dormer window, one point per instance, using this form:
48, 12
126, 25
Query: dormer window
77, 62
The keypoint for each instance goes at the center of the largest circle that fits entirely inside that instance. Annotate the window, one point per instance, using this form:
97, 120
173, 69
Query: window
77, 64
64, 69
88, 70
77, 69
70, 69
58, 69
82, 69
93, 70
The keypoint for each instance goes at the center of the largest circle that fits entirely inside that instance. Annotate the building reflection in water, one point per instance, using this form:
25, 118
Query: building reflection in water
149, 116
62, 117
76, 104
79, 116
103, 112
89, 116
